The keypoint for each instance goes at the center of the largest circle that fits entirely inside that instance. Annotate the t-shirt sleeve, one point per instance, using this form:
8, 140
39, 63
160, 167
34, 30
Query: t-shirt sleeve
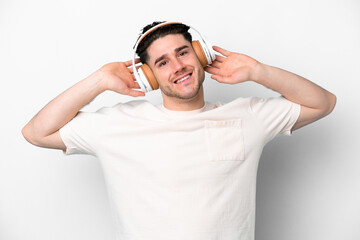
277, 115
76, 135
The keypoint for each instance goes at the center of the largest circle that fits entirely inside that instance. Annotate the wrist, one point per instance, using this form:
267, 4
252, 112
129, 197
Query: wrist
258, 72
94, 83
98, 80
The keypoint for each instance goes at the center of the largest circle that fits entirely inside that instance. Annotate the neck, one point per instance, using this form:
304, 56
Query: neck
177, 104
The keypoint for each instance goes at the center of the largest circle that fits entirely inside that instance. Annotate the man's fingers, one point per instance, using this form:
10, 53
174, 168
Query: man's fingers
211, 70
129, 62
220, 58
135, 85
132, 70
216, 64
221, 50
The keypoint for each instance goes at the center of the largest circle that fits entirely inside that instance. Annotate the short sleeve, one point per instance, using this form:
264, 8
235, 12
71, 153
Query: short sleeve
77, 133
277, 115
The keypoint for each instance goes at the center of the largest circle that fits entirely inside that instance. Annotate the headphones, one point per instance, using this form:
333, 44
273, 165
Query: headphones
146, 78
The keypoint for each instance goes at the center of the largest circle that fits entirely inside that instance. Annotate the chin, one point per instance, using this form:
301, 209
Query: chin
188, 95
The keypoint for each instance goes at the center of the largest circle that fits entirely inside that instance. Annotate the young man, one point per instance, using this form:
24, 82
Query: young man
186, 169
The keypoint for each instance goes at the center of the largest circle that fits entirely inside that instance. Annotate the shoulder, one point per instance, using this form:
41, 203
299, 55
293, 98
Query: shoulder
240, 103
131, 106
128, 108
139, 109
257, 104
124, 106
261, 107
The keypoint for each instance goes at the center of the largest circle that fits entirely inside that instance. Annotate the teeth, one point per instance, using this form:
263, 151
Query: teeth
183, 79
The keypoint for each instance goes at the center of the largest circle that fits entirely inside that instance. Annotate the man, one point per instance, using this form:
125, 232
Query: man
186, 169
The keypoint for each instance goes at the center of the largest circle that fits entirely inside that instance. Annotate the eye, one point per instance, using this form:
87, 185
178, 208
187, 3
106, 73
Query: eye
183, 53
163, 63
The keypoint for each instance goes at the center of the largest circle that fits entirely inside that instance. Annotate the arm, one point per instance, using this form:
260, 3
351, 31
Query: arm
315, 101
43, 129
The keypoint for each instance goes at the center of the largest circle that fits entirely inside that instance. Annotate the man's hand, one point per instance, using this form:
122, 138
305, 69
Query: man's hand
315, 101
233, 68
119, 77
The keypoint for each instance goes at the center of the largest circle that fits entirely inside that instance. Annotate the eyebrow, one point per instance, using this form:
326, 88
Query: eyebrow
164, 56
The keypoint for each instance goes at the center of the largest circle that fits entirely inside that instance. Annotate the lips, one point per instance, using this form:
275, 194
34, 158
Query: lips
182, 78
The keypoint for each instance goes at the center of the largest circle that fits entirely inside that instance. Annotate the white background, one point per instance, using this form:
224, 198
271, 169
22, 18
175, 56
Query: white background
308, 184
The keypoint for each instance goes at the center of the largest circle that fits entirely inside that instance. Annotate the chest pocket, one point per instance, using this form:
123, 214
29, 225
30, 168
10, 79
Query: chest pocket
224, 140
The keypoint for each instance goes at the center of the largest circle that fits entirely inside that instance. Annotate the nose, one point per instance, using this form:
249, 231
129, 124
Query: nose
177, 65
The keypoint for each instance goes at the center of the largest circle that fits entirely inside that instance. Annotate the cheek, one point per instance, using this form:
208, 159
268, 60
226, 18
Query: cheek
201, 75
161, 76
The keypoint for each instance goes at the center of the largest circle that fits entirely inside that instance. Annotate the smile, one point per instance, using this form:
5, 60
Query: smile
182, 79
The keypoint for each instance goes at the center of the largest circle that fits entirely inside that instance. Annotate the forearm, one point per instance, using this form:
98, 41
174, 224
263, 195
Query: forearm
63, 108
295, 88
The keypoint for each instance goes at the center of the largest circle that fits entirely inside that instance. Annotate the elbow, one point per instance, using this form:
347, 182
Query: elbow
331, 103
26, 132
327, 106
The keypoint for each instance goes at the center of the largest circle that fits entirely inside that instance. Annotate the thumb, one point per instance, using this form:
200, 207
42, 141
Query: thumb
134, 93
218, 78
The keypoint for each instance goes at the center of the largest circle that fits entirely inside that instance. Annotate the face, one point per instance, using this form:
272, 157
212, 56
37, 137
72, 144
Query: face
176, 68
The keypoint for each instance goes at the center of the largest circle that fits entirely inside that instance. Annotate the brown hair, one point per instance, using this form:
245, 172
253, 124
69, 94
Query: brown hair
177, 28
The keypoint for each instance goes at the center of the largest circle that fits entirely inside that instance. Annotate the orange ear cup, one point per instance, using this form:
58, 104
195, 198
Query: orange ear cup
150, 76
200, 53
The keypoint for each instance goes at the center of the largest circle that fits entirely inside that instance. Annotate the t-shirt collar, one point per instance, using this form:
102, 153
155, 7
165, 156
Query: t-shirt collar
182, 113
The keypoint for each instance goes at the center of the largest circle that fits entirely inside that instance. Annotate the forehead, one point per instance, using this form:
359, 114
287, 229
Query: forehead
165, 45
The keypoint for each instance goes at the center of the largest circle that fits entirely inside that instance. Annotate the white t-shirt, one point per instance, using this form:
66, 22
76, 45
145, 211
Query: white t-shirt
176, 175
